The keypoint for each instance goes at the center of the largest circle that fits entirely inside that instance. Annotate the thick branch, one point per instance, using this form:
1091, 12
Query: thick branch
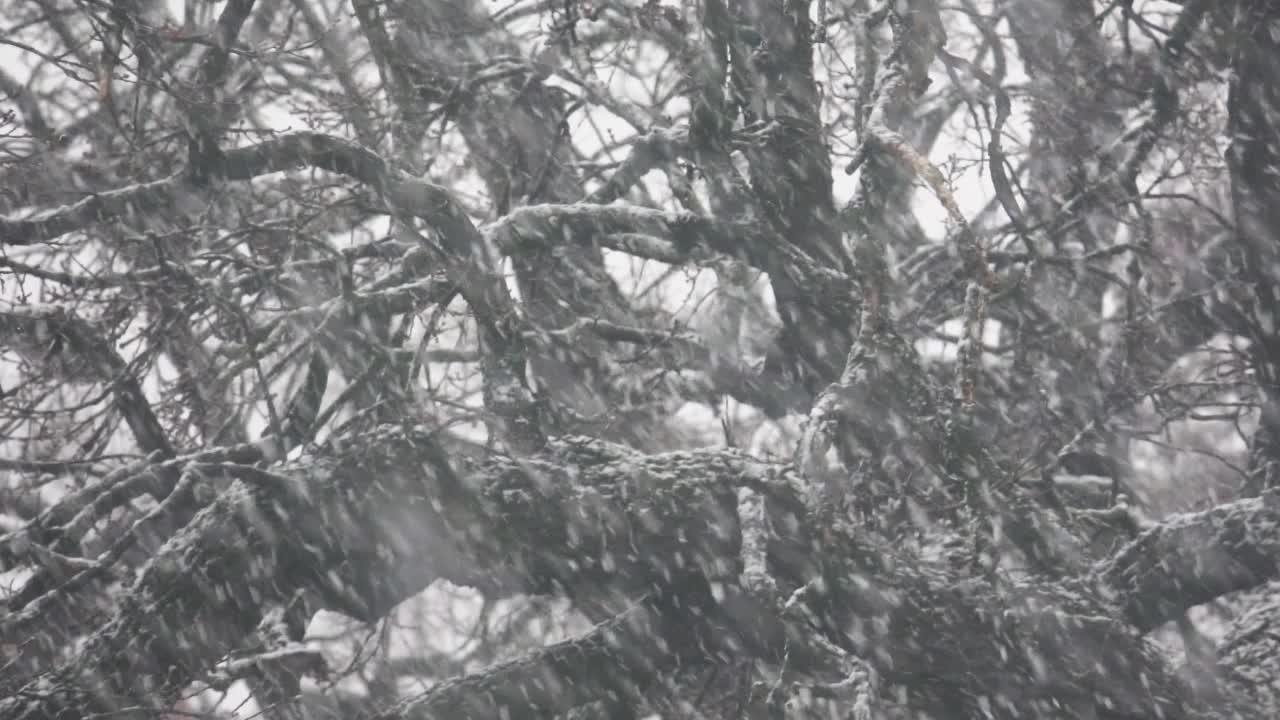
349, 525
203, 154
671, 237
613, 661
1192, 559
351, 522
828, 290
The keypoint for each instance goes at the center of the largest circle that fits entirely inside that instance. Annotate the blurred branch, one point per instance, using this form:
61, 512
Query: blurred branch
676, 236
362, 557
680, 237
462, 251
653, 150
1192, 559
203, 153
613, 661
32, 116
339, 60
72, 349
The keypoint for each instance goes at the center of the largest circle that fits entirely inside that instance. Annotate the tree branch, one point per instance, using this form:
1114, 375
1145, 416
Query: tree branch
613, 661
1192, 559
350, 523
672, 236
72, 349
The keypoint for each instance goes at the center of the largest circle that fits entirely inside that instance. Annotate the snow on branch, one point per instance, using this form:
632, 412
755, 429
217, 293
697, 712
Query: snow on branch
432, 203
680, 236
611, 662
671, 237
353, 525
366, 522
1191, 559
685, 232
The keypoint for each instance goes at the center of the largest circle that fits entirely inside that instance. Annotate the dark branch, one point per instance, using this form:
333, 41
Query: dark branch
1190, 560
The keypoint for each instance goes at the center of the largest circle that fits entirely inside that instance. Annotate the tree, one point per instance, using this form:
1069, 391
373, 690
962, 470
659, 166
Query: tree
281, 370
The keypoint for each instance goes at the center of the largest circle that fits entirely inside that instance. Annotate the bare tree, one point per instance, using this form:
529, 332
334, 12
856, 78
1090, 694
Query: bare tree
1006, 267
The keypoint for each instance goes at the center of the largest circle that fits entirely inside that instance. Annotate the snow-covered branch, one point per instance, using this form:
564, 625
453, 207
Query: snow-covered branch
1194, 558
366, 522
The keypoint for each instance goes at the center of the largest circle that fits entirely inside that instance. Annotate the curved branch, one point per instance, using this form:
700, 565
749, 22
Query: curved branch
72, 344
671, 237
681, 237
614, 660
1193, 559
349, 523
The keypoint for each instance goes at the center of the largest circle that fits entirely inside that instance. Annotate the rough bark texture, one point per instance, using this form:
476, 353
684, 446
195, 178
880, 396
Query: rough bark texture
915, 558
366, 522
